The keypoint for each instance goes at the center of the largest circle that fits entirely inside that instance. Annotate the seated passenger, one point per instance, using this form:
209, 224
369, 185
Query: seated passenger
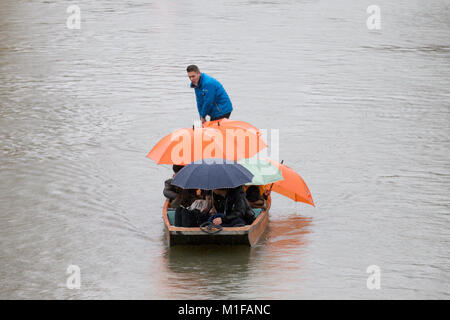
257, 196
231, 208
189, 208
201, 203
254, 197
187, 197
171, 192
218, 201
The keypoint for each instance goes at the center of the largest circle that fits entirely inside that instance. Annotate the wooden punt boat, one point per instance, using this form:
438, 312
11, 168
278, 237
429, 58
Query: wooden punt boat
246, 235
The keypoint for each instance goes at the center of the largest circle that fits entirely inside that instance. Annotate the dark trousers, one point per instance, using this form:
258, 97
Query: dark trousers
227, 115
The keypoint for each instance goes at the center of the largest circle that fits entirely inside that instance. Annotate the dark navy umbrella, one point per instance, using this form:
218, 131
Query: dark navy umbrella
212, 174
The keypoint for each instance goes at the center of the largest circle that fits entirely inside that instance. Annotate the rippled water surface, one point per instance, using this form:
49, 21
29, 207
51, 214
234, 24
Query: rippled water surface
363, 116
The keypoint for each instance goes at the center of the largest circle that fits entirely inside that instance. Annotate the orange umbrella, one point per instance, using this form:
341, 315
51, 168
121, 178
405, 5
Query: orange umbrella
292, 186
231, 124
184, 146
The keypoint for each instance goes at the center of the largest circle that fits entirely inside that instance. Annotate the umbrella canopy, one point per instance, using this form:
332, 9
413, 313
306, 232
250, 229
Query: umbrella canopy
185, 146
231, 124
212, 174
292, 185
263, 171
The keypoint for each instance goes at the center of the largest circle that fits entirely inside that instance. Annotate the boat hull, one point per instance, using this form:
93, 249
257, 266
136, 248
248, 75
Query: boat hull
246, 235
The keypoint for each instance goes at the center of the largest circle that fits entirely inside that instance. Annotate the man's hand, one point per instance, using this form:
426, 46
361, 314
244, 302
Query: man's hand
205, 210
217, 221
203, 120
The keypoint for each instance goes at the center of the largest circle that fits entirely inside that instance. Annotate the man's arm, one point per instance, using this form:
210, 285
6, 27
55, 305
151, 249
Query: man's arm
199, 104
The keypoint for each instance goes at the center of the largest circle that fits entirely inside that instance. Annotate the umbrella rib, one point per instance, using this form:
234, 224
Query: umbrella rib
228, 180
238, 174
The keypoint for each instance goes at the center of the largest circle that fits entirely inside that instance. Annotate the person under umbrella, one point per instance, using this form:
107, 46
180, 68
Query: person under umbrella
231, 208
176, 195
225, 179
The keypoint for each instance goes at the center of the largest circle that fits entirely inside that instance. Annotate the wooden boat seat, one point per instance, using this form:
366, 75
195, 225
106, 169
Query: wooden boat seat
171, 214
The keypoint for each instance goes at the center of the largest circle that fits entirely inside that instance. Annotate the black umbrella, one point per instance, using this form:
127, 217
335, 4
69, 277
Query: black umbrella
212, 174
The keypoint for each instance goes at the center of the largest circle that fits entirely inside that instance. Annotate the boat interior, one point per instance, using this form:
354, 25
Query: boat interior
171, 214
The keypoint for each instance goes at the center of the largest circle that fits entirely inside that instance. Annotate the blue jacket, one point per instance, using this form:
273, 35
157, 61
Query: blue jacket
212, 99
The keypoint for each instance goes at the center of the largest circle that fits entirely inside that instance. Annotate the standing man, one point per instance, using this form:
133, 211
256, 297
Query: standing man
212, 99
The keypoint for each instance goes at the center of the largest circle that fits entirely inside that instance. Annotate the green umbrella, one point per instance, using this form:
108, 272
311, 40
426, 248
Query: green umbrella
263, 171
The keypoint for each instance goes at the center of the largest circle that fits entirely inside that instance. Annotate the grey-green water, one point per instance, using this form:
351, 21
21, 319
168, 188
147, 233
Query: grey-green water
363, 116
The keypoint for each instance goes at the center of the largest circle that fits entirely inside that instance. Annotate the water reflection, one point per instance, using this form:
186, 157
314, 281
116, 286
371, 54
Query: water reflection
214, 272
281, 260
211, 272
288, 233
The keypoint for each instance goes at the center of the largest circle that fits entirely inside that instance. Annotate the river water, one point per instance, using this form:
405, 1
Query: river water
363, 116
